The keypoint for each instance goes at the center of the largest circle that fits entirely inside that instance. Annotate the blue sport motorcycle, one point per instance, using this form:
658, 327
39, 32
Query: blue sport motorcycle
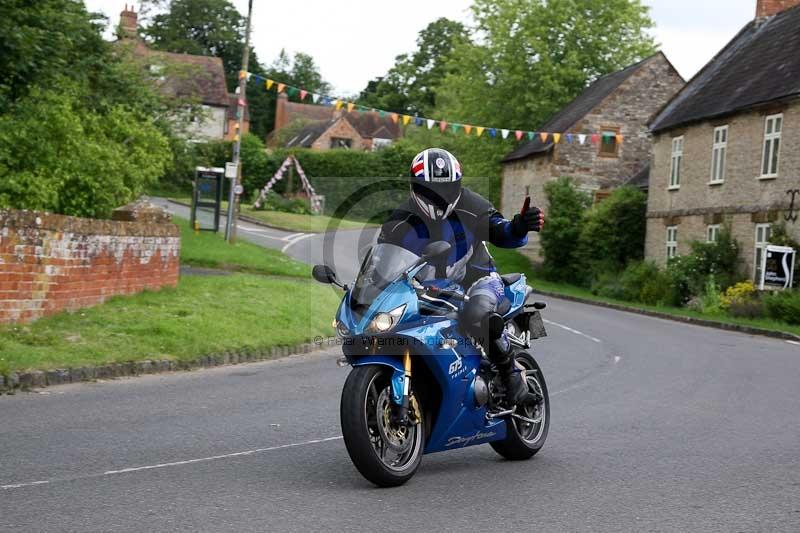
418, 384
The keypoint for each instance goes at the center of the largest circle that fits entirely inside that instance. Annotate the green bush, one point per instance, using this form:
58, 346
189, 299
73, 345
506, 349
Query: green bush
783, 306
276, 202
719, 259
613, 232
561, 233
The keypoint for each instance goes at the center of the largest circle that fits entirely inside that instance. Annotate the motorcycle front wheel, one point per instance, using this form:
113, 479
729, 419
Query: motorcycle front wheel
525, 439
384, 453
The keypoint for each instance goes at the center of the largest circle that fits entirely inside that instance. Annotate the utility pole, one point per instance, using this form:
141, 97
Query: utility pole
233, 198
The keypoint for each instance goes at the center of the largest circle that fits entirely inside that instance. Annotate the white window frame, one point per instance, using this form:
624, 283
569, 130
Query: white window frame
719, 155
675, 165
672, 242
771, 152
761, 243
712, 232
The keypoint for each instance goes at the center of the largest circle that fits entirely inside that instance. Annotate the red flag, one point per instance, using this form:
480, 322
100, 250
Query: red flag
303, 94
595, 138
442, 125
518, 134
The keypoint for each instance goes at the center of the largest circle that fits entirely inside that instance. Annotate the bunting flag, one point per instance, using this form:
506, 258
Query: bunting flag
594, 137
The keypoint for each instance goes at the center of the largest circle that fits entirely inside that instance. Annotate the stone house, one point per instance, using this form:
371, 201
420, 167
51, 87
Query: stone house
621, 103
199, 80
726, 149
324, 127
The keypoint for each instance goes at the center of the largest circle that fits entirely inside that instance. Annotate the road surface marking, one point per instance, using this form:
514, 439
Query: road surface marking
617, 359
794, 342
296, 240
174, 463
571, 330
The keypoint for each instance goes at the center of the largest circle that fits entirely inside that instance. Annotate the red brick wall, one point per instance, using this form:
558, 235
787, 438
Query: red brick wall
51, 263
767, 8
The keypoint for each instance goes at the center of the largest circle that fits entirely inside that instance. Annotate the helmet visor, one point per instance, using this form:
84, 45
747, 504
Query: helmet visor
440, 195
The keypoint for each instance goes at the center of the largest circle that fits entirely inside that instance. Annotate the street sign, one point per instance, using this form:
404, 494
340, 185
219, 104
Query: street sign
231, 170
777, 268
238, 190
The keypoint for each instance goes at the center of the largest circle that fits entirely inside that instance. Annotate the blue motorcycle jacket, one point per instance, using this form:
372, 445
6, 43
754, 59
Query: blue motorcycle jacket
472, 224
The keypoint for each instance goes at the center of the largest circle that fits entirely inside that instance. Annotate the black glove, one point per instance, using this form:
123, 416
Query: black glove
531, 220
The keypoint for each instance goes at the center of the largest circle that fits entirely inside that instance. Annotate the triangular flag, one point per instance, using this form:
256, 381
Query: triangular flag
504, 133
339, 104
394, 117
350, 107
431, 123
543, 135
467, 129
241, 102
406, 120
492, 133
442, 125
418, 121
281, 87
556, 137
382, 113
595, 138
455, 127
619, 138
292, 91
479, 130
518, 134
248, 75
303, 94
531, 135
242, 74
570, 138
269, 84
582, 138
314, 97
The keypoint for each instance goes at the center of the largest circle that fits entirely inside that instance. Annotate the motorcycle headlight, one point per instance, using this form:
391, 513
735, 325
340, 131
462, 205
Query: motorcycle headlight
383, 322
341, 329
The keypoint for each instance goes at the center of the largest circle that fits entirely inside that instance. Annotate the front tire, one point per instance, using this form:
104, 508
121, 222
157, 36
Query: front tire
383, 453
523, 440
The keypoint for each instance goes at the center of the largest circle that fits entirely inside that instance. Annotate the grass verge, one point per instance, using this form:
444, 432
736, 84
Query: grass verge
513, 261
203, 315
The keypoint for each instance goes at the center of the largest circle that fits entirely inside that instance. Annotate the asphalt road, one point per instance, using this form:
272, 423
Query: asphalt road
656, 426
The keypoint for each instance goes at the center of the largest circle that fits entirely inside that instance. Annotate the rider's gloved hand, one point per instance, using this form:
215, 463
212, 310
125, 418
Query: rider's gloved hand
531, 219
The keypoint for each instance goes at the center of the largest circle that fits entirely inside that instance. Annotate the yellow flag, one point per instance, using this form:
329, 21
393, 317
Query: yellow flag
350, 107
556, 137
281, 87
269, 84
406, 120
339, 105
479, 130
467, 129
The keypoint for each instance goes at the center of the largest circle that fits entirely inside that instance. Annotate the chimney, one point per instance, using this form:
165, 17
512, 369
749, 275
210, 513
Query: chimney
281, 113
128, 22
768, 8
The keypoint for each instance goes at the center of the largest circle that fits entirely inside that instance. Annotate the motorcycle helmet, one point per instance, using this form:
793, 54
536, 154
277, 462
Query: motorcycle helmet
436, 182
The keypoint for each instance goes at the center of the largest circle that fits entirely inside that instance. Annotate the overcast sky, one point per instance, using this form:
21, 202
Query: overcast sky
355, 41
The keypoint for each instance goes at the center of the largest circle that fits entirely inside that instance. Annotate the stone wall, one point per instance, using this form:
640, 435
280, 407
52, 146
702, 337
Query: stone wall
341, 129
742, 200
628, 110
51, 263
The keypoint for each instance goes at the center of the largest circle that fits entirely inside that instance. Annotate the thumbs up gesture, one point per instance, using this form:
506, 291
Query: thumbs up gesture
529, 219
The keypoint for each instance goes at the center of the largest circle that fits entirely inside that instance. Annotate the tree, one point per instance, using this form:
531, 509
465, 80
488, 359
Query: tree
561, 233
412, 83
528, 59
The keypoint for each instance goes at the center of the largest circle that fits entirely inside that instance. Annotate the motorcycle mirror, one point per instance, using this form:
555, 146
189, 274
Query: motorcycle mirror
435, 249
324, 274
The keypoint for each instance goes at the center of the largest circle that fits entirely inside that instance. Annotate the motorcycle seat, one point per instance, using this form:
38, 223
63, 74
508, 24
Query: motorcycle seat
510, 279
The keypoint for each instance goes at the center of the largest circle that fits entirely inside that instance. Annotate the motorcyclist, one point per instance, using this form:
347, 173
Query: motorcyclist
440, 209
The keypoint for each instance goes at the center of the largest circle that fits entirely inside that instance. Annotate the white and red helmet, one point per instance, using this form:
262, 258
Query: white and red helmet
436, 182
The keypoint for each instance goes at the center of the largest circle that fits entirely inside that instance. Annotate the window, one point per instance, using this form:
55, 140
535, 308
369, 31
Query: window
609, 147
378, 143
763, 233
338, 142
718, 153
677, 159
672, 242
712, 233
772, 146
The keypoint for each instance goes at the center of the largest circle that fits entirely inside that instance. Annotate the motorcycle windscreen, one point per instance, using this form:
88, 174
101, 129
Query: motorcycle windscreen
383, 265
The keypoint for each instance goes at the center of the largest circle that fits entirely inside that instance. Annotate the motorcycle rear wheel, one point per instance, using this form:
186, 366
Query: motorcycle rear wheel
523, 440
383, 453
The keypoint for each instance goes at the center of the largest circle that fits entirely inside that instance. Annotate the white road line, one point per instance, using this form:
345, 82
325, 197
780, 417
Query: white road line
174, 463
794, 342
571, 330
296, 240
